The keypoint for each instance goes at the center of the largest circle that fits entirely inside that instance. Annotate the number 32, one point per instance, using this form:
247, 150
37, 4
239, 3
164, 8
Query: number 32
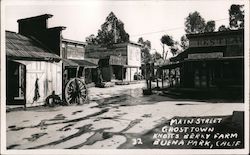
137, 141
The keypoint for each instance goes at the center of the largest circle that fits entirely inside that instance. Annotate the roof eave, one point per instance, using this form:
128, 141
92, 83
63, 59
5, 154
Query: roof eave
46, 16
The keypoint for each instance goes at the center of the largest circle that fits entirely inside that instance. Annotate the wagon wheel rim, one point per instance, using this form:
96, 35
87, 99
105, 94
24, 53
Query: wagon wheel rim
76, 91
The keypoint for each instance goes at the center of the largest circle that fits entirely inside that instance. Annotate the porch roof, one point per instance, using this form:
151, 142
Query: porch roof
221, 59
192, 50
78, 62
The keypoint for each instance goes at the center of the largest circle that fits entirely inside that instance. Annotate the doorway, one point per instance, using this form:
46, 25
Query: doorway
15, 83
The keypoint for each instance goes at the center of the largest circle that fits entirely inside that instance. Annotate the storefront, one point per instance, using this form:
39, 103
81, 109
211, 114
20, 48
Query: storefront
112, 68
121, 61
79, 68
213, 60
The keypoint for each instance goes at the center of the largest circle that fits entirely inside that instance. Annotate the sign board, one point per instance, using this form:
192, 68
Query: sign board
205, 55
117, 60
75, 52
215, 41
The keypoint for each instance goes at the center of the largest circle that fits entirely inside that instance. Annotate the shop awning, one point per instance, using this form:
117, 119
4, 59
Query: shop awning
171, 66
78, 62
221, 59
130, 66
195, 50
232, 58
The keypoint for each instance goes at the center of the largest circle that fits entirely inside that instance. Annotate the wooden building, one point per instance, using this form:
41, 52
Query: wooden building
117, 61
41, 61
74, 62
32, 71
33, 59
71, 52
213, 60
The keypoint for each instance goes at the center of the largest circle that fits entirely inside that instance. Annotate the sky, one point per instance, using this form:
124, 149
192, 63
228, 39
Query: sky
148, 19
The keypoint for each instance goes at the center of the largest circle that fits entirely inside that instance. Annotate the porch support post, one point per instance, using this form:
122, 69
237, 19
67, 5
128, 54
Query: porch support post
157, 84
130, 73
122, 73
162, 77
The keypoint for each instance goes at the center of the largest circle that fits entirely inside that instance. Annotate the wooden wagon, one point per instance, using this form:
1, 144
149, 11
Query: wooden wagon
75, 88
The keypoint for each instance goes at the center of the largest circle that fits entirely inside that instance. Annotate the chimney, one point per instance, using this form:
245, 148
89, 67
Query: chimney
37, 27
34, 25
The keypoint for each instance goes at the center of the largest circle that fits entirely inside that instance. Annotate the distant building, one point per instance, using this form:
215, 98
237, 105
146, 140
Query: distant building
118, 61
213, 60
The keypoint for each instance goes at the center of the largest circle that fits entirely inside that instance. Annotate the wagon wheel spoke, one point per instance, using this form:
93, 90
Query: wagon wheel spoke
69, 91
76, 100
83, 94
70, 100
81, 100
84, 98
82, 86
70, 97
71, 85
84, 91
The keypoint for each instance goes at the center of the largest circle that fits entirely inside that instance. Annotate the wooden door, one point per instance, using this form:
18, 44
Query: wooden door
15, 83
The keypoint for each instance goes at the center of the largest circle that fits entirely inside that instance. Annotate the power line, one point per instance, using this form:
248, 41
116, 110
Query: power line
170, 29
158, 31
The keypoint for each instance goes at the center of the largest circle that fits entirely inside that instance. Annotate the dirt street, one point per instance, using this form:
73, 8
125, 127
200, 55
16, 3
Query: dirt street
113, 119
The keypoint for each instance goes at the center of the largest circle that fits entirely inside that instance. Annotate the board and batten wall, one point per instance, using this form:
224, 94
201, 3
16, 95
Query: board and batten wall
49, 75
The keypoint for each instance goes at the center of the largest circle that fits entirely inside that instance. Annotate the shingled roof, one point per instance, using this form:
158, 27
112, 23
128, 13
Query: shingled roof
22, 47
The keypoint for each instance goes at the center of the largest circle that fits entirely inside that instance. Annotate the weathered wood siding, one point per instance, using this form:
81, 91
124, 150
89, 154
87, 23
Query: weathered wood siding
73, 51
102, 52
49, 77
134, 60
130, 53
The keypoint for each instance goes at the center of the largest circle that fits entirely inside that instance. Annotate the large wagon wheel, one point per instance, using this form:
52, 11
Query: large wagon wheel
76, 91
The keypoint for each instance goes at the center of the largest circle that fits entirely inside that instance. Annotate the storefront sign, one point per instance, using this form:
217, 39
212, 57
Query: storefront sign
75, 52
117, 60
205, 55
215, 41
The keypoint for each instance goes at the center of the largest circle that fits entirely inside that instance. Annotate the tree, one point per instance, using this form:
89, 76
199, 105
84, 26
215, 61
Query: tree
194, 23
210, 26
91, 40
156, 56
223, 28
112, 31
168, 41
236, 16
184, 42
145, 51
175, 48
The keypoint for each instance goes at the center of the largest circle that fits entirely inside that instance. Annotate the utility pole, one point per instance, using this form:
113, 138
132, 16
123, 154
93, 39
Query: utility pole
163, 51
115, 31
